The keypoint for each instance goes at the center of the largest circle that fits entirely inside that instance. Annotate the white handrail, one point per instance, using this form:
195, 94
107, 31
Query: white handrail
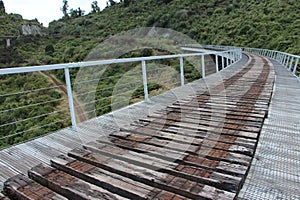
289, 61
230, 54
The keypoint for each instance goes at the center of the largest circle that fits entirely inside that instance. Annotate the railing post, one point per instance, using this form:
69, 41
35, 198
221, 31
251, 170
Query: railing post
70, 98
145, 82
227, 59
295, 66
223, 64
217, 63
287, 61
291, 63
181, 71
277, 56
203, 66
273, 54
281, 58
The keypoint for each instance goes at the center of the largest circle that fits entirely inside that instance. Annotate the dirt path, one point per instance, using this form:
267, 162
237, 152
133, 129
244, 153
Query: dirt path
80, 116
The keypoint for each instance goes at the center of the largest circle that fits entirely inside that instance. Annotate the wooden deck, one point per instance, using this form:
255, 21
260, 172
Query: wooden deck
194, 142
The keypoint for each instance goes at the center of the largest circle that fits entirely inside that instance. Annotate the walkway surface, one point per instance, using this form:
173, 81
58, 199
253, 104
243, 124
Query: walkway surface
193, 142
275, 171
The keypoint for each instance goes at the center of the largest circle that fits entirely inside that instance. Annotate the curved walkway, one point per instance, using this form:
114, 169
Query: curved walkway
199, 147
275, 171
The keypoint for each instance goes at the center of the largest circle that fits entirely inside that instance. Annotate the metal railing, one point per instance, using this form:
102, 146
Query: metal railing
223, 58
289, 61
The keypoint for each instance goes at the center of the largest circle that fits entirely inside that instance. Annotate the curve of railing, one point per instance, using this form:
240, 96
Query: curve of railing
20, 117
289, 61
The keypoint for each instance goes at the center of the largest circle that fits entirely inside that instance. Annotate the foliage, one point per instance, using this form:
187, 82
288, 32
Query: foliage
95, 7
2, 8
25, 108
49, 50
64, 9
76, 13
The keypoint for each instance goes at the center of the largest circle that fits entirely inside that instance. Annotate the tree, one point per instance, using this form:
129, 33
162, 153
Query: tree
110, 3
95, 7
2, 7
65, 9
49, 50
76, 13
125, 2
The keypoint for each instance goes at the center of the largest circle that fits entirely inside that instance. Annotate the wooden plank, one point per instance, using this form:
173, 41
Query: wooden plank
172, 150
215, 115
177, 185
218, 130
67, 185
227, 108
208, 136
2, 197
110, 181
177, 140
21, 187
225, 123
223, 112
216, 101
142, 159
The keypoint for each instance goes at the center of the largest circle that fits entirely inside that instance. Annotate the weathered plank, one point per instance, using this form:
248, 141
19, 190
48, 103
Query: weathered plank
110, 181
151, 177
2, 197
218, 130
155, 162
186, 142
21, 187
67, 185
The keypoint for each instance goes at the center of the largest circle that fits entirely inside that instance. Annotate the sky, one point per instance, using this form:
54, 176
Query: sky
46, 10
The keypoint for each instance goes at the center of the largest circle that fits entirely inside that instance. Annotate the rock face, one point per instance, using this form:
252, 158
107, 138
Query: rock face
28, 29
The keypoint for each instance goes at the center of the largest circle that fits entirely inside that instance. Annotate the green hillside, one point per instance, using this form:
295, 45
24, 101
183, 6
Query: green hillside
262, 24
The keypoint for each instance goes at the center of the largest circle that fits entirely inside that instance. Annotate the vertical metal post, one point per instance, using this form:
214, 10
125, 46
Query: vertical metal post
203, 66
291, 63
227, 59
295, 66
145, 82
70, 98
277, 56
223, 62
281, 58
287, 61
217, 63
181, 71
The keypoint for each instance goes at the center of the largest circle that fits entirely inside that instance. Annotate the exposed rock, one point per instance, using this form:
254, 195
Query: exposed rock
28, 29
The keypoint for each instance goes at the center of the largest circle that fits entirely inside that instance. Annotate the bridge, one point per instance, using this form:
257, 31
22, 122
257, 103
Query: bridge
8, 39
233, 134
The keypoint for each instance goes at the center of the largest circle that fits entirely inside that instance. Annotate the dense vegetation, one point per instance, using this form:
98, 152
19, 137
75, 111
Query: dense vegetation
252, 23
